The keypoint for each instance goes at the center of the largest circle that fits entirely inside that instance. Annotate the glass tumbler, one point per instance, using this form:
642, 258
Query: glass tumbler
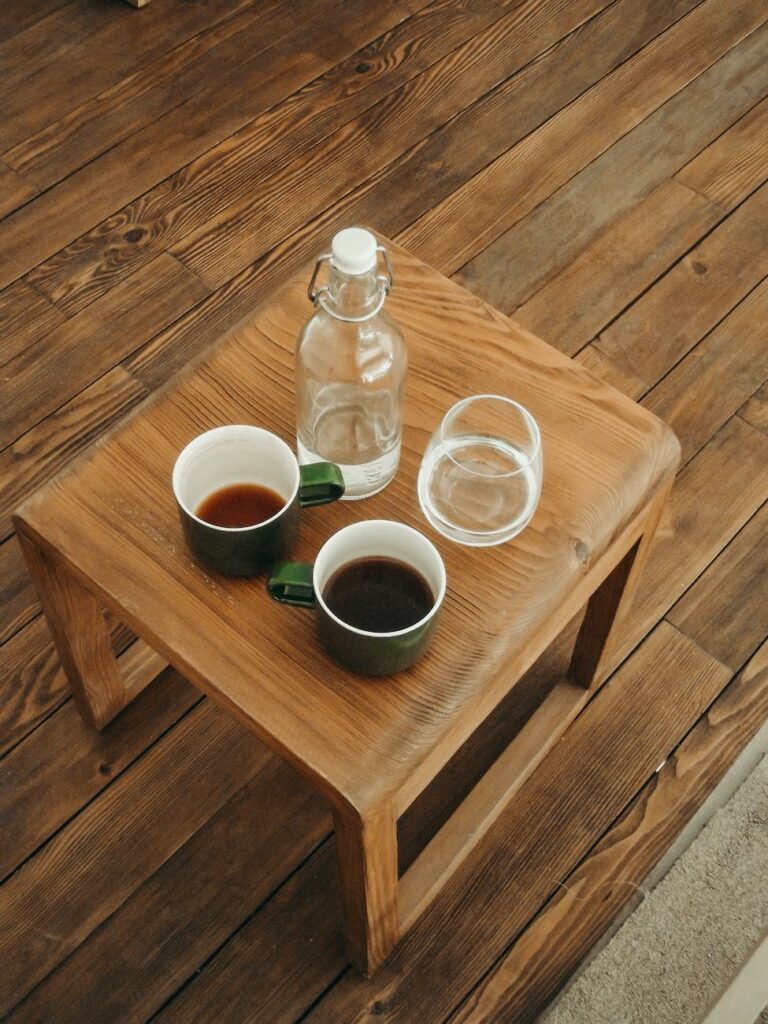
480, 477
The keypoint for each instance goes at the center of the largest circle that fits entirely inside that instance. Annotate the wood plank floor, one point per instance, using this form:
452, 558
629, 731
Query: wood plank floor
596, 169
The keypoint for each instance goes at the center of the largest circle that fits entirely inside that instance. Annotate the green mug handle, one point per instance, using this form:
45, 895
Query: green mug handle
319, 483
291, 583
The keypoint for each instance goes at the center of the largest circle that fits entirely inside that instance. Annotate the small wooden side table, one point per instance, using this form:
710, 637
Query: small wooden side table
105, 534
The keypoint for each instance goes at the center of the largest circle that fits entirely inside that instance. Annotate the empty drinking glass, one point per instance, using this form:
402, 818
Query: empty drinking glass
480, 477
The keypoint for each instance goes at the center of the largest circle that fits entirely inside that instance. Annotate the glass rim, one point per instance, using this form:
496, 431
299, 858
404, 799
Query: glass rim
528, 419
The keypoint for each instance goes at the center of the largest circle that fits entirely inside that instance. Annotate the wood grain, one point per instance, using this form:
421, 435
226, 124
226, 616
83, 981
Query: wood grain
360, 722
179, 917
25, 315
18, 601
666, 322
731, 362
255, 82
605, 369
621, 263
81, 635
700, 520
33, 682
459, 227
544, 242
629, 170
305, 911
93, 127
14, 190
498, 891
302, 923
726, 609
104, 44
755, 410
467, 826
14, 20
733, 166
432, 809
23, 54
55, 367
524, 980
383, 726
195, 932
438, 96
64, 764
87, 870
64, 434
104, 255
366, 854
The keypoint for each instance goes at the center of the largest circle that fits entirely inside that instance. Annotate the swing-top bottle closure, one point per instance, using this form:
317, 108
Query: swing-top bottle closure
350, 374
354, 251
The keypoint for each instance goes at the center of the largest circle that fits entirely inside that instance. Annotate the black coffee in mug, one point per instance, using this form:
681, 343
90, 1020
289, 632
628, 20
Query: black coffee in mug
379, 595
240, 505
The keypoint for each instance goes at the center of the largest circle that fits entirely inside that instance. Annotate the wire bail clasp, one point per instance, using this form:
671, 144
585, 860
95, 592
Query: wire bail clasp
385, 280
313, 292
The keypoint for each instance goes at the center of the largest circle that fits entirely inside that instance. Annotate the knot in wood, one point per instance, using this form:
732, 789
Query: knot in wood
582, 551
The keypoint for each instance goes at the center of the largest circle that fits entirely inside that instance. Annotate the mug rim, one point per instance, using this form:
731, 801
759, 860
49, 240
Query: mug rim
223, 429
366, 523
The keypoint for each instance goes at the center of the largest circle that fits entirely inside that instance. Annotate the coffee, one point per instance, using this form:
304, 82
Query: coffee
240, 505
379, 595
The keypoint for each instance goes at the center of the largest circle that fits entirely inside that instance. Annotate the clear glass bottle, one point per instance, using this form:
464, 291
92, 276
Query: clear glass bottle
351, 365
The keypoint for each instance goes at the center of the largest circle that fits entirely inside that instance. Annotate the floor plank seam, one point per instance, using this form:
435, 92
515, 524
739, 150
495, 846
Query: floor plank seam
108, 783
361, 186
198, 156
246, 920
11, 539
703, 338
672, 95
129, 411
49, 714
556, 891
56, 10
194, 967
744, 661
655, 281
121, 83
636, 298
141, 127
321, 996
712, 142
743, 419
578, 865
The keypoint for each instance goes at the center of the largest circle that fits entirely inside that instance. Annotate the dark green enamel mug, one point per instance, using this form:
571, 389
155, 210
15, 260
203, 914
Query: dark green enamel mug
363, 651
243, 454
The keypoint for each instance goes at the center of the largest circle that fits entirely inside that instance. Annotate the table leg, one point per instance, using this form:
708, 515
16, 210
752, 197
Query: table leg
80, 633
366, 850
601, 626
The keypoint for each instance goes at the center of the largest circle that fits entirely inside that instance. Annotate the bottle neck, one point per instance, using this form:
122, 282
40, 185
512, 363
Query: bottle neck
352, 295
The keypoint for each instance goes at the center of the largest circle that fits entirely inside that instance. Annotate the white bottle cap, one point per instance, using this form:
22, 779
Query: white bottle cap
354, 251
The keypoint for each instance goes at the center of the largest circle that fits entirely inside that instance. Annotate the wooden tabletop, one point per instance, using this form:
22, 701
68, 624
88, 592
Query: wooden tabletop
113, 518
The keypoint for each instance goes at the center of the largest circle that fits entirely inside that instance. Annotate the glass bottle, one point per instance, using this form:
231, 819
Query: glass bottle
351, 365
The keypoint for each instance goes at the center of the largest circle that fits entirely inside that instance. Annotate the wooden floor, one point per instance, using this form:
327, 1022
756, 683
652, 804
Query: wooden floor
594, 168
